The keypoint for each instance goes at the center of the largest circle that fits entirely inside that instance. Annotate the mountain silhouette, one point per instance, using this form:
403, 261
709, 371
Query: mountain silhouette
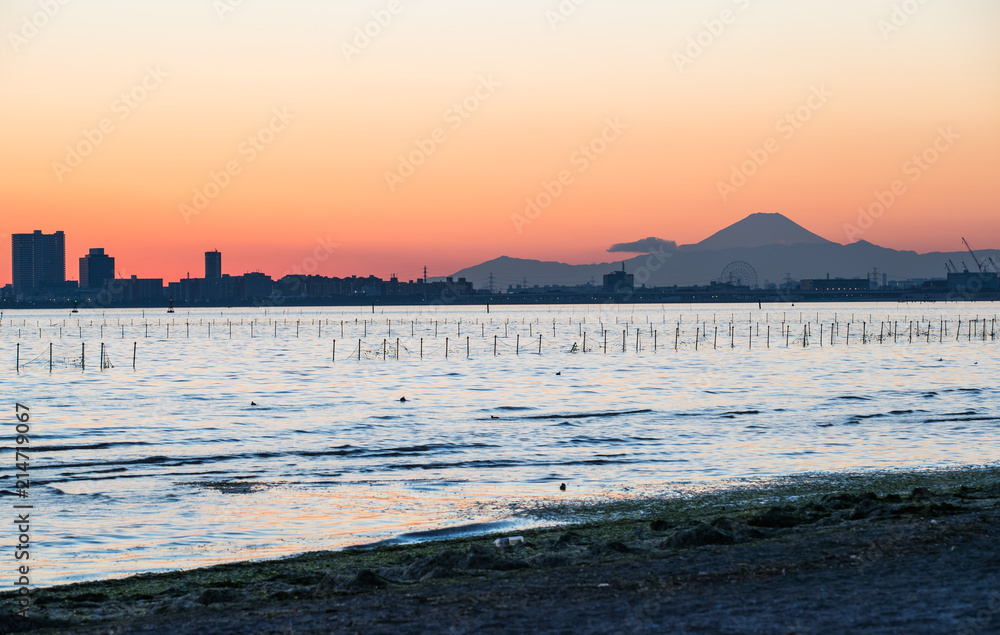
774, 245
759, 230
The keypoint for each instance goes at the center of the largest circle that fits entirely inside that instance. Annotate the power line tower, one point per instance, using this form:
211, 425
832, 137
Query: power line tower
491, 283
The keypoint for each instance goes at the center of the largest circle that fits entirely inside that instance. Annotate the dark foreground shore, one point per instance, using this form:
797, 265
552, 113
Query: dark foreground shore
874, 553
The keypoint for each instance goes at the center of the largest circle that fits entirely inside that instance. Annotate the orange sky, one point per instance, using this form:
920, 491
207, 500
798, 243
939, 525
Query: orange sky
493, 100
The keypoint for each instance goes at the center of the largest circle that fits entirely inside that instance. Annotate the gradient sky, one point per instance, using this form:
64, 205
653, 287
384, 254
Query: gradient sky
322, 178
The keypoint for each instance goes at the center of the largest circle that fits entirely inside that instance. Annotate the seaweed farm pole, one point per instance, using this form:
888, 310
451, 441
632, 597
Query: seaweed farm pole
539, 343
624, 335
421, 348
135, 348
864, 332
397, 349
17, 359
848, 333
696, 333
517, 344
50, 357
359, 350
788, 330
677, 335
654, 341
102, 357
769, 336
83, 356
446, 348
468, 348
494, 345
383, 349
715, 338
584, 342
333, 357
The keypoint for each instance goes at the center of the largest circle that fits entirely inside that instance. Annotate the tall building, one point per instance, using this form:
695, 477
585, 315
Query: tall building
213, 264
38, 261
95, 269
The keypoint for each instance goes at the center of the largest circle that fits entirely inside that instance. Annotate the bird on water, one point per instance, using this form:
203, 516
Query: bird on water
562, 487
402, 400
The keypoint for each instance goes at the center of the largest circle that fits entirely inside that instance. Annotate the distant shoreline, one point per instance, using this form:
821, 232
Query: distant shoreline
530, 300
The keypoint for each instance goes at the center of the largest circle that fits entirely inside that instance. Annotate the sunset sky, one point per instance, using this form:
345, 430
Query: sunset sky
291, 125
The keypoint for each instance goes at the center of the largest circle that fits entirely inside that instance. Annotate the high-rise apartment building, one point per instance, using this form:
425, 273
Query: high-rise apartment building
95, 269
38, 261
213, 264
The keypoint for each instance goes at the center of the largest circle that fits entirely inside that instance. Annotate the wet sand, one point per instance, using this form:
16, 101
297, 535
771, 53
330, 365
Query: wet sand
873, 553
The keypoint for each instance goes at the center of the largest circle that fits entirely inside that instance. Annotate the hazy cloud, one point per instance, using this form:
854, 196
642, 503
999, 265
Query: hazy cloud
645, 246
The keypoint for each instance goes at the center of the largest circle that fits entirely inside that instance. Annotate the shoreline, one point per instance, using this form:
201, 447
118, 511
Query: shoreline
736, 532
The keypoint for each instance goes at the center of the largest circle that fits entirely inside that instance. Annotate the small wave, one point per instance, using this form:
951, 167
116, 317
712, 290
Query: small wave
88, 446
741, 412
854, 397
962, 419
595, 440
471, 529
588, 415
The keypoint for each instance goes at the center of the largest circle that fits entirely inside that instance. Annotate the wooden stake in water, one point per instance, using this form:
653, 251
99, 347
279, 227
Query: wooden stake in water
333, 357
83, 356
17, 360
135, 348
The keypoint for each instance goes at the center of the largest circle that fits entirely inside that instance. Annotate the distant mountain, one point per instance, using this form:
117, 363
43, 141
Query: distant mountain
759, 230
509, 271
772, 244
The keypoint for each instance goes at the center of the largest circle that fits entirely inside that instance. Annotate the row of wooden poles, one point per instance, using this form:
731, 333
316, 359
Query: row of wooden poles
943, 326
83, 356
701, 335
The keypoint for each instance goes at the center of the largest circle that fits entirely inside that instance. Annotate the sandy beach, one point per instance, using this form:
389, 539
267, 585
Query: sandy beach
874, 553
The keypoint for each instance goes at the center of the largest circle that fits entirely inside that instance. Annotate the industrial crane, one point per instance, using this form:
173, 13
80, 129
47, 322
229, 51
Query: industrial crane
974, 258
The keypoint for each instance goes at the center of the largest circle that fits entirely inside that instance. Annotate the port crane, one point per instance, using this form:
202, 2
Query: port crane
973, 254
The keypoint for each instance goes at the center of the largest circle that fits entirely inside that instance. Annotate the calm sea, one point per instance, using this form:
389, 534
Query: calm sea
170, 465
